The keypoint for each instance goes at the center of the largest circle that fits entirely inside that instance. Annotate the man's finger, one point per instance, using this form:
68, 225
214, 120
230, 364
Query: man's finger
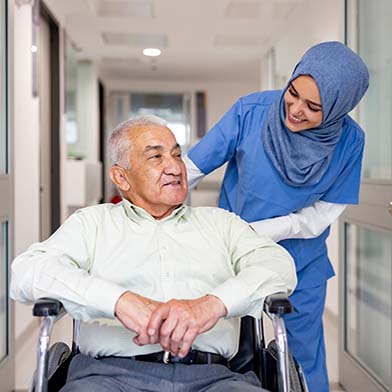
166, 330
187, 342
156, 319
142, 338
177, 336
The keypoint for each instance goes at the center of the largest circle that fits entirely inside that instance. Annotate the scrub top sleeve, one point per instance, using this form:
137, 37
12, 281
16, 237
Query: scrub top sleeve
219, 144
345, 189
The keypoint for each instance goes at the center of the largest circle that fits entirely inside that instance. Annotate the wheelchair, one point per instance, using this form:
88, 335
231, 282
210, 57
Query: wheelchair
273, 363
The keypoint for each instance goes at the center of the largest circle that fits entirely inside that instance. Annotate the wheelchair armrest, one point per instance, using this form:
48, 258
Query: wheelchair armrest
278, 304
45, 307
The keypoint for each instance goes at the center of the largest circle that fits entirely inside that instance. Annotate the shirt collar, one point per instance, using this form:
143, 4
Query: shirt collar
138, 214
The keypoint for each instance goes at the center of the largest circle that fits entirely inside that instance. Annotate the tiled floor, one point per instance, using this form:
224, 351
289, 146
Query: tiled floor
331, 342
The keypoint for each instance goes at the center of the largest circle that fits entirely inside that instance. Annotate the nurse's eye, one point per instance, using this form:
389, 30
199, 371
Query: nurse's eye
314, 108
292, 92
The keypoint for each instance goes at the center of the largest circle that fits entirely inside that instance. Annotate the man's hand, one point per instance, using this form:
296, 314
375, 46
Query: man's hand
177, 323
134, 312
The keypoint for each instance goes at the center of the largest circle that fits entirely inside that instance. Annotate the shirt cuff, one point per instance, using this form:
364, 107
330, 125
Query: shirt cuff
195, 175
102, 296
234, 294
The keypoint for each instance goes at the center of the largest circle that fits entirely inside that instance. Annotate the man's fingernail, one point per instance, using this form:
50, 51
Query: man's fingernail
151, 332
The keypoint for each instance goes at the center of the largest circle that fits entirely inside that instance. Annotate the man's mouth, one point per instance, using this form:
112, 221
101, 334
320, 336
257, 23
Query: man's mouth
172, 183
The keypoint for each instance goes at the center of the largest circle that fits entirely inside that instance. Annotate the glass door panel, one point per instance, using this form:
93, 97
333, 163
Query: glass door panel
3, 188
372, 42
368, 298
6, 363
365, 347
3, 96
4, 333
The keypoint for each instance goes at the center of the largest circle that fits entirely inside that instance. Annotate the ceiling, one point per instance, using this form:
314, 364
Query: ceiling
221, 40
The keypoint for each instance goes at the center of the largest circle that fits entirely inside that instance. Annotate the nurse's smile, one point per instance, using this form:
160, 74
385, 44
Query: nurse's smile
303, 104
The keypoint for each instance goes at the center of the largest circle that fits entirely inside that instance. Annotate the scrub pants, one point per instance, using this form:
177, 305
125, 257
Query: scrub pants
306, 335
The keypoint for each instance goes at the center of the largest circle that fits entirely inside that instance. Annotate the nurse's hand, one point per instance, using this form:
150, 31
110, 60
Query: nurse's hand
177, 323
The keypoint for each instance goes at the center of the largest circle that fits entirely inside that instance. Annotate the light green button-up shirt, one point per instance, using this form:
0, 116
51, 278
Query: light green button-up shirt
102, 251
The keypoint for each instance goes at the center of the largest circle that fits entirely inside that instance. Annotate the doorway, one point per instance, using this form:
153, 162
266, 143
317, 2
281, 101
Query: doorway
49, 102
6, 309
365, 352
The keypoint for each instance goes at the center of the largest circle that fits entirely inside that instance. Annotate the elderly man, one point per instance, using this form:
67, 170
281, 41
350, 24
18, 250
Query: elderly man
151, 275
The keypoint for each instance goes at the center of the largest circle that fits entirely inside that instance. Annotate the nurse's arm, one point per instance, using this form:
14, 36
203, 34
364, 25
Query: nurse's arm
195, 175
308, 222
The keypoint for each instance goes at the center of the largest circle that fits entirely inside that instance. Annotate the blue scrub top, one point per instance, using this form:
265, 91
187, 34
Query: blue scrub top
254, 190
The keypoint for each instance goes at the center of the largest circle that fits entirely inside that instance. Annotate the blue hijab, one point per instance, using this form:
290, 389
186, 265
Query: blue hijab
302, 158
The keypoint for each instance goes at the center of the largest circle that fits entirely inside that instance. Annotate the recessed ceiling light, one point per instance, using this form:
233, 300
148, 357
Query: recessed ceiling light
152, 52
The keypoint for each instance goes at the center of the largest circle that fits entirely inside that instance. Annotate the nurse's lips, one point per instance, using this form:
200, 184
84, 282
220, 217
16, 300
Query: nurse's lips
294, 120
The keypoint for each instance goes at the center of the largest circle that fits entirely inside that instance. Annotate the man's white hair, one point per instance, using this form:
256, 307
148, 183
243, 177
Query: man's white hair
119, 142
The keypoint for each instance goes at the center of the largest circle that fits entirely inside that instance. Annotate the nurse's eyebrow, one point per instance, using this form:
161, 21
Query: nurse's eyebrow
307, 100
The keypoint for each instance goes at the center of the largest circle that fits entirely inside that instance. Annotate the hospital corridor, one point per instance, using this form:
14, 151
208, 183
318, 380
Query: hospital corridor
143, 142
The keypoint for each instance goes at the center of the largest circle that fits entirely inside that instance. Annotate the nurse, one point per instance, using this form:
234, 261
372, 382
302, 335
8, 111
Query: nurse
294, 162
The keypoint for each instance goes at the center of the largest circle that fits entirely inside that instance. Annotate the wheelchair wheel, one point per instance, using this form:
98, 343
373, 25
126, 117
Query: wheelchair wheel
294, 371
57, 354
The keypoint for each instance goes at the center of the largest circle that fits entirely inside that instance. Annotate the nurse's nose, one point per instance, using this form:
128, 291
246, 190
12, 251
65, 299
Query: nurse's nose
297, 107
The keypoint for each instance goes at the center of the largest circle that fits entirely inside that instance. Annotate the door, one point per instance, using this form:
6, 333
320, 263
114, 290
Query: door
48, 88
44, 122
366, 235
6, 364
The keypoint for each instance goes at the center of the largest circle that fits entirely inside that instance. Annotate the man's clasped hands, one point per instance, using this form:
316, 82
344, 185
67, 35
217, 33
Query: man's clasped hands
174, 324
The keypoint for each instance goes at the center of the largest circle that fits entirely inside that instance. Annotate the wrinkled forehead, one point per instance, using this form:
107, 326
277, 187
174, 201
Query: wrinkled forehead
143, 136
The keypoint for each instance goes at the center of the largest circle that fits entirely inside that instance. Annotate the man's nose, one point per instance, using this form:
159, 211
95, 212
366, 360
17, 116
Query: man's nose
173, 166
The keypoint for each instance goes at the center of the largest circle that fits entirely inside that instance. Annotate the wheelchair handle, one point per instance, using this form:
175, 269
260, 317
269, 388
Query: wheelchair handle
278, 304
45, 307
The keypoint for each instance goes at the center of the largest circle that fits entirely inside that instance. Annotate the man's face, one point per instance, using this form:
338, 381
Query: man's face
157, 175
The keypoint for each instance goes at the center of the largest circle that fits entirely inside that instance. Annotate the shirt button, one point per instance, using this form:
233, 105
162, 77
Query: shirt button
164, 248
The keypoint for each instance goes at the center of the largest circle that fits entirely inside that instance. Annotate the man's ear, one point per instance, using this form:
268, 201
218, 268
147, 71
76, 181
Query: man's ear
119, 178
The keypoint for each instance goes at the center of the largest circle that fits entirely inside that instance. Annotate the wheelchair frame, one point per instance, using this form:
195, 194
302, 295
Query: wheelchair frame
275, 306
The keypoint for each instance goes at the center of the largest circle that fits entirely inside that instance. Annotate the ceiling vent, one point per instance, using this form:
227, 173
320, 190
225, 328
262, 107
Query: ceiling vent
124, 8
243, 10
155, 40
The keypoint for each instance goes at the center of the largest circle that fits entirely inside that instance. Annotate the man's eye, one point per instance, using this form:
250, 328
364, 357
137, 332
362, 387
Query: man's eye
155, 156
